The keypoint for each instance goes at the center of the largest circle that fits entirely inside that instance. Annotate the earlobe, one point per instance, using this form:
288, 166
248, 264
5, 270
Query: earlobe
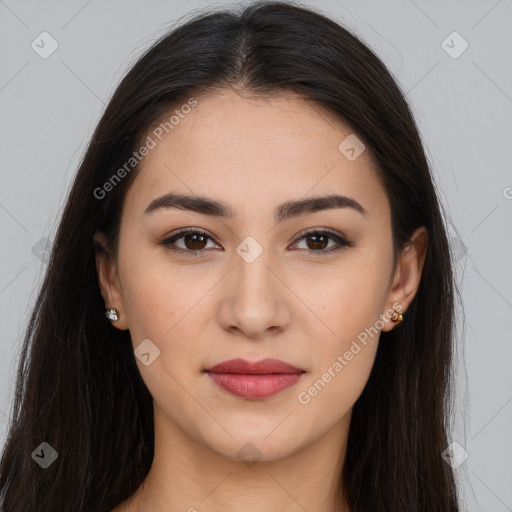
407, 276
108, 281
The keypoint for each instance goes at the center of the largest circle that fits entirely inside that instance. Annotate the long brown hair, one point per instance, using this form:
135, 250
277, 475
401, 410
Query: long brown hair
78, 387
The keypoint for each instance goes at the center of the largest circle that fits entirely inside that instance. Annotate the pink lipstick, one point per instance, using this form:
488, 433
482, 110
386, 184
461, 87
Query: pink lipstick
254, 380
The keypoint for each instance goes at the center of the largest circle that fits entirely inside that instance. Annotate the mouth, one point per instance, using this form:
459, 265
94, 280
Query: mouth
254, 380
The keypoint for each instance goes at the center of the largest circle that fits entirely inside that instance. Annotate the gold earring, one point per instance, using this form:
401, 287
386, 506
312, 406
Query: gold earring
397, 317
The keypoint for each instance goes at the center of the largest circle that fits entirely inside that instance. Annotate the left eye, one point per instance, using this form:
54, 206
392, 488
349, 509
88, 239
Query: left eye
318, 242
195, 242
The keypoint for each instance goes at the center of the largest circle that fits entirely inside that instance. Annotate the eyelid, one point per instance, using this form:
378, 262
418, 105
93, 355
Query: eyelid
341, 240
168, 240
338, 237
189, 230
321, 231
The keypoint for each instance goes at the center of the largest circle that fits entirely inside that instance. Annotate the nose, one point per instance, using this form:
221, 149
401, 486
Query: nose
254, 299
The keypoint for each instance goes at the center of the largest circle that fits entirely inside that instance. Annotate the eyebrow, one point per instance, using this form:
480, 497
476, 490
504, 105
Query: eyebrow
283, 212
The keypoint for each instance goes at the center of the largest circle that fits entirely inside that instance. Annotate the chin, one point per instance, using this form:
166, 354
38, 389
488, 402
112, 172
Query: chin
256, 446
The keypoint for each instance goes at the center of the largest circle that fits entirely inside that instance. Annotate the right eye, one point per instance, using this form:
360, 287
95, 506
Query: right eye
193, 242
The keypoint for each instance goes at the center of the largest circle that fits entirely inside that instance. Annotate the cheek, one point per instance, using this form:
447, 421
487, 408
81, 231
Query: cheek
151, 295
159, 310
333, 391
342, 361
352, 298
350, 306
147, 301
163, 304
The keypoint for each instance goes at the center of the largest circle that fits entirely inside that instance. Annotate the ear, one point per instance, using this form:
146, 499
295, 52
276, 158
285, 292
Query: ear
407, 276
108, 279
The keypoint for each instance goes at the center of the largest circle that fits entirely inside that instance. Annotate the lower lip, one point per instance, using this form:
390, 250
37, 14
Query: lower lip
254, 387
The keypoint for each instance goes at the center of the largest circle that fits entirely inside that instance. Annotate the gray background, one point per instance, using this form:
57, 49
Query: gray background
463, 106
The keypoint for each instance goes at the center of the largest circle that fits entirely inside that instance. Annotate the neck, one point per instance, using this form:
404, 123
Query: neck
188, 476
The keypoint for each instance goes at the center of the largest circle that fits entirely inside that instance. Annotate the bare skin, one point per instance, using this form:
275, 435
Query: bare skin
290, 303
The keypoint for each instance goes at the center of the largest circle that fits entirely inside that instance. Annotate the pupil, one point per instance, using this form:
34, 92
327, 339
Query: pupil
315, 244
195, 241
192, 241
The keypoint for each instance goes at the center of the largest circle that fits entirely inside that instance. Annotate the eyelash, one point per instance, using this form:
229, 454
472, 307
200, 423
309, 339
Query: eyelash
340, 240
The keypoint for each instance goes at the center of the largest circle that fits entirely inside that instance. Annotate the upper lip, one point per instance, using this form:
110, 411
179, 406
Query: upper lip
244, 367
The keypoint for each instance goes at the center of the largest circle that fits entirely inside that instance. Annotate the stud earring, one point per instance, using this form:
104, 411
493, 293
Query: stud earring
397, 317
112, 314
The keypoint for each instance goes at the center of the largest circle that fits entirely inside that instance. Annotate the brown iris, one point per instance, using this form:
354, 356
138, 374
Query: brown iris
195, 241
322, 244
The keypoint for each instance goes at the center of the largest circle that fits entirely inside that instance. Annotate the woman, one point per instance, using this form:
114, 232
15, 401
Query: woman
249, 303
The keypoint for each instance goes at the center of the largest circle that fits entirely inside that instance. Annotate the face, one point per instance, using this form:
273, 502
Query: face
311, 286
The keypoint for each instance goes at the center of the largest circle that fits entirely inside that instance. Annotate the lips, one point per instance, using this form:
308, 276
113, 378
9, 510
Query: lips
254, 380
265, 366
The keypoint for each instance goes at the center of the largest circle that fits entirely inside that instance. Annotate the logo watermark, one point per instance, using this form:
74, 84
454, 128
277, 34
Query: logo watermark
158, 133
304, 397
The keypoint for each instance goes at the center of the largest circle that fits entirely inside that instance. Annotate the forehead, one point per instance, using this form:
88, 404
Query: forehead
254, 153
